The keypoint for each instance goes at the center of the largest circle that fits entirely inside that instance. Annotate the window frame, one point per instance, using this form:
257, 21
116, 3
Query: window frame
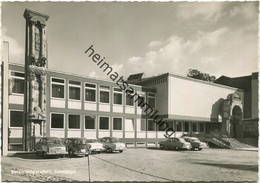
95, 120
90, 89
106, 90
9, 121
74, 129
99, 123
118, 92
19, 78
63, 120
76, 86
64, 84
113, 123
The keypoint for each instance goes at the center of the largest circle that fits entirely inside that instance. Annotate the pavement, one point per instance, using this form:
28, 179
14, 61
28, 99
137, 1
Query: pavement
137, 165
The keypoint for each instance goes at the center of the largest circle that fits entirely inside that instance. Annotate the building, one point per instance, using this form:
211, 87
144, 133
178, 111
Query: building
38, 101
79, 106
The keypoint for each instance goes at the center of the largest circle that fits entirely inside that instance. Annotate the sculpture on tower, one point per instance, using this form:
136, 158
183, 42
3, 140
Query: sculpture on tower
35, 76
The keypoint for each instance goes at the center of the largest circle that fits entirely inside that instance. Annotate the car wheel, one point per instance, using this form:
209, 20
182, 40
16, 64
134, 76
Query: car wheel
199, 149
176, 148
162, 147
109, 150
121, 151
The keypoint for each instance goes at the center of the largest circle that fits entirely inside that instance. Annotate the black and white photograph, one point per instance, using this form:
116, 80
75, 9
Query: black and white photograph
121, 91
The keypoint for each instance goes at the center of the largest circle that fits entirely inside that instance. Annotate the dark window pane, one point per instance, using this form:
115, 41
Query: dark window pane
178, 126
16, 118
151, 102
143, 125
151, 125
90, 95
74, 93
104, 123
163, 125
129, 100
194, 127
57, 91
57, 80
117, 98
186, 126
74, 121
140, 101
75, 82
89, 122
201, 127
57, 120
90, 85
18, 86
117, 123
104, 96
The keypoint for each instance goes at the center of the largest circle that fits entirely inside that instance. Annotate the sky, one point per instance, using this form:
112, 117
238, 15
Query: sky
219, 38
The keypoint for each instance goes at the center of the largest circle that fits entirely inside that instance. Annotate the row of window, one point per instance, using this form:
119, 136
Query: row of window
74, 92
57, 121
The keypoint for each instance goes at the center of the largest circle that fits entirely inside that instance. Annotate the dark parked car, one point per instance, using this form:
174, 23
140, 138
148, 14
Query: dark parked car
196, 143
77, 146
50, 146
112, 144
175, 143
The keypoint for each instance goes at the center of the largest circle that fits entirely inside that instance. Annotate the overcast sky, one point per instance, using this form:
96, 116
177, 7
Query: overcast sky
219, 38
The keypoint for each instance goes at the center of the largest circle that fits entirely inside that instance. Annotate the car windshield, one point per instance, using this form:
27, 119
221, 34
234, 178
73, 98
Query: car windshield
181, 140
195, 140
91, 141
79, 141
114, 140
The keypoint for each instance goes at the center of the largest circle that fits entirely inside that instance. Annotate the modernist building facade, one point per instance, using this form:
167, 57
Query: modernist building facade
79, 106
37, 102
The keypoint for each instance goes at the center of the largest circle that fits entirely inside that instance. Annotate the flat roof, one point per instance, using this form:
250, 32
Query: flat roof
77, 75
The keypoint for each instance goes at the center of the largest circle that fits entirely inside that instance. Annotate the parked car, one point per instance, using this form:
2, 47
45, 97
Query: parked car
50, 146
196, 143
112, 144
77, 146
175, 143
95, 146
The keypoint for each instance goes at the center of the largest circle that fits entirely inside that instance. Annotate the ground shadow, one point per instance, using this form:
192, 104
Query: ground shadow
253, 168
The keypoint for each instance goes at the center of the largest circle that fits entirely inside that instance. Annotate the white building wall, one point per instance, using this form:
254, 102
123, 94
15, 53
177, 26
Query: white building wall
194, 98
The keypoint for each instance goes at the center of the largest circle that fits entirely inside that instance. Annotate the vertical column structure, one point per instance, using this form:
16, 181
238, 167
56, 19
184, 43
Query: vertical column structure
35, 78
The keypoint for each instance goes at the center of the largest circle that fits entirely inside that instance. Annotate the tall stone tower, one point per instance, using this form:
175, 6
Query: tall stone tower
35, 78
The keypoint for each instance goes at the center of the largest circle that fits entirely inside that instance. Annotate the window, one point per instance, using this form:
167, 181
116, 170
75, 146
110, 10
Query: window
151, 125
178, 126
57, 86
17, 82
143, 125
194, 127
90, 92
201, 127
186, 126
74, 121
129, 125
16, 118
104, 94
141, 101
118, 96
104, 123
129, 100
37, 40
117, 123
163, 125
57, 120
89, 122
151, 99
74, 90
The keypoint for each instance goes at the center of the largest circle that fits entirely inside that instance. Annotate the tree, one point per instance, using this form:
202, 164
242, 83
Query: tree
196, 74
